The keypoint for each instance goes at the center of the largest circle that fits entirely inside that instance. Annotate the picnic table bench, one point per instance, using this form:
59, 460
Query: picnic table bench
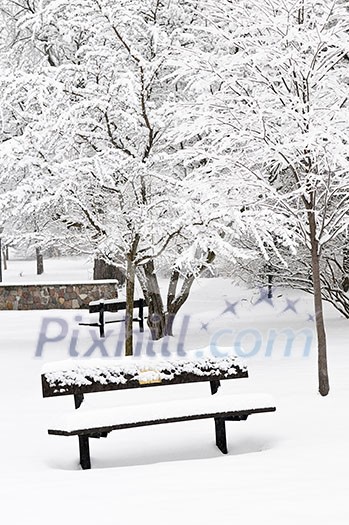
78, 378
113, 305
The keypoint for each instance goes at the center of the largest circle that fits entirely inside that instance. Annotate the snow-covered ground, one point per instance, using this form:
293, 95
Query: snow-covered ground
55, 269
283, 468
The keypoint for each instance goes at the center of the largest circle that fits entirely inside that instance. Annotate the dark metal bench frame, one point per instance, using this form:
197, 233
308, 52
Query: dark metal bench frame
220, 418
114, 306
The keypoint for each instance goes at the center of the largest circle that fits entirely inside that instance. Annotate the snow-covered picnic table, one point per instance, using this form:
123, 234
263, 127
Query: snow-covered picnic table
113, 305
76, 377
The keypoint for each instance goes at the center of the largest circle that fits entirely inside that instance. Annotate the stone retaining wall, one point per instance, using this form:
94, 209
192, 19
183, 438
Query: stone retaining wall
41, 296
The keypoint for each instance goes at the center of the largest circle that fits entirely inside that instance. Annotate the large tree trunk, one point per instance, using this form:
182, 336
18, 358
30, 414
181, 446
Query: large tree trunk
159, 321
156, 314
4, 257
324, 387
171, 296
174, 301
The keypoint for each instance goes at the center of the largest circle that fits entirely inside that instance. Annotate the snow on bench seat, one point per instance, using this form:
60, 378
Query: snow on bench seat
97, 420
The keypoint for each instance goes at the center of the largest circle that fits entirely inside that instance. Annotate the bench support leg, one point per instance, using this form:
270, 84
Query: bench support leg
214, 386
78, 399
221, 438
141, 315
84, 449
101, 321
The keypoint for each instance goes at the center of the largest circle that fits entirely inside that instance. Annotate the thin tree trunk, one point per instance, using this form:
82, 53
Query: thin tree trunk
4, 258
130, 291
39, 262
270, 280
345, 280
346, 259
130, 288
0, 261
324, 387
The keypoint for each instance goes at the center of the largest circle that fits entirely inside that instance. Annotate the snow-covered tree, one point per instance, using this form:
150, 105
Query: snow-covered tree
163, 134
93, 150
279, 113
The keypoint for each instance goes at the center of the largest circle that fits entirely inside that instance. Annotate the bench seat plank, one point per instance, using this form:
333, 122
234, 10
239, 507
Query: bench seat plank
107, 419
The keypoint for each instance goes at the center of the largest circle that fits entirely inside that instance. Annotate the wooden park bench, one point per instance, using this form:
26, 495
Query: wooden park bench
113, 305
78, 378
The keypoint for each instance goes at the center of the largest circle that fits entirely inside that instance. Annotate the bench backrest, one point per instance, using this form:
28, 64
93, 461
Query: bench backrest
112, 305
82, 377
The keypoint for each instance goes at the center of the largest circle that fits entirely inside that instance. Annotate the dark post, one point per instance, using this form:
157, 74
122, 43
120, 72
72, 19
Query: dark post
4, 258
39, 262
101, 320
215, 384
270, 286
84, 447
141, 315
1, 230
78, 399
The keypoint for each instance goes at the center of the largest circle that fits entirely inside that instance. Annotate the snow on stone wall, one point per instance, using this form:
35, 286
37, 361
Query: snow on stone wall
41, 296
